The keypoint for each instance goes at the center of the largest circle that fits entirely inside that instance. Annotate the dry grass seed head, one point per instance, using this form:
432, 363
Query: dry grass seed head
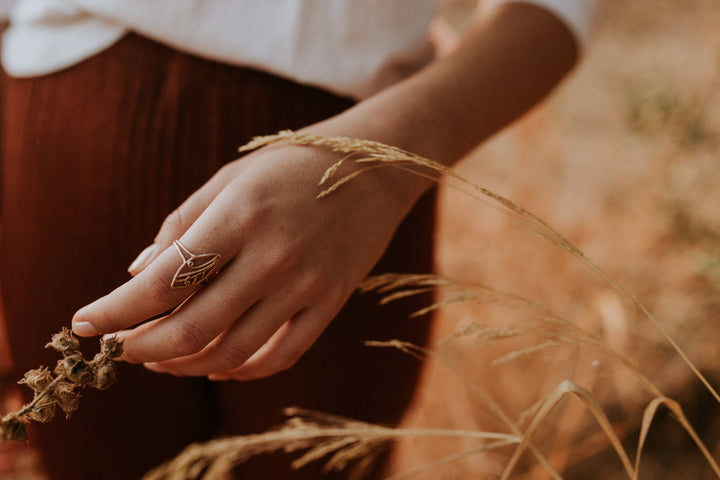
368, 152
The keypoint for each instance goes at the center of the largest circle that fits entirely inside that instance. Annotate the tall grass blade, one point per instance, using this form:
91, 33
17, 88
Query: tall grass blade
368, 151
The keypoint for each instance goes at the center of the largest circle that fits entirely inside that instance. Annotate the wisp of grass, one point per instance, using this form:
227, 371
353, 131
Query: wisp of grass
345, 440
374, 154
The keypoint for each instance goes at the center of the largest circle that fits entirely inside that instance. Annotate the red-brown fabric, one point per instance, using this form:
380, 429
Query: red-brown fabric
93, 158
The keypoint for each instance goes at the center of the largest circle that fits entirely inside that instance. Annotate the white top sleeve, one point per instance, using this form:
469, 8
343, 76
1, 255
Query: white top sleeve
5, 6
350, 47
578, 15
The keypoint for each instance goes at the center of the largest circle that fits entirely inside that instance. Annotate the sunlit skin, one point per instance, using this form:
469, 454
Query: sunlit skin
289, 261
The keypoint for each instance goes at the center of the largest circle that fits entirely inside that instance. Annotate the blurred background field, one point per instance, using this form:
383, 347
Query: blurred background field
624, 160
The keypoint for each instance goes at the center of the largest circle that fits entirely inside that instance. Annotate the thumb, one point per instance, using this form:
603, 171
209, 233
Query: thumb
177, 223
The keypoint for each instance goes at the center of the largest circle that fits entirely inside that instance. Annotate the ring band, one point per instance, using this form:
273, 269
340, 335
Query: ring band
195, 269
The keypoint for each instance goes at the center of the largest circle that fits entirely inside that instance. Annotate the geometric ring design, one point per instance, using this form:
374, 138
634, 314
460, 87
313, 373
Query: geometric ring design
195, 269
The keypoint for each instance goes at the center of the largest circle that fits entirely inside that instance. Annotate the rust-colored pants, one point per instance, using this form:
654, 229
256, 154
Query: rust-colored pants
93, 158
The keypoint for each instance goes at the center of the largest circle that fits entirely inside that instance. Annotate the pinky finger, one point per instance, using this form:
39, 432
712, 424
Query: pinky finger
283, 349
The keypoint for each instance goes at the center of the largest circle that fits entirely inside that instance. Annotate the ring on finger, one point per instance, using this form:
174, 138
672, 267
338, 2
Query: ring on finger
195, 269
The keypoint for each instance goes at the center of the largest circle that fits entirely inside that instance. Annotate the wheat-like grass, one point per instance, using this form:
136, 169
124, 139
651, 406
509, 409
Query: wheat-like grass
632, 470
376, 154
320, 434
346, 441
449, 459
677, 410
541, 410
552, 328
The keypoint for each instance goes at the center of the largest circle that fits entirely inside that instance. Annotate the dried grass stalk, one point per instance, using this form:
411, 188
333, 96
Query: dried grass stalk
676, 409
553, 329
484, 397
568, 387
372, 153
346, 442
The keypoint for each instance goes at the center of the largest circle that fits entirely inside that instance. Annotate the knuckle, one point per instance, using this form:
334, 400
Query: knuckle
310, 285
281, 261
175, 222
130, 356
231, 355
335, 294
227, 172
158, 290
172, 221
186, 338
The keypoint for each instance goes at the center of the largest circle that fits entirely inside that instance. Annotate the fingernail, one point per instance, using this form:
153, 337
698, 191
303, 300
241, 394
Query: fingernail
142, 259
217, 377
85, 329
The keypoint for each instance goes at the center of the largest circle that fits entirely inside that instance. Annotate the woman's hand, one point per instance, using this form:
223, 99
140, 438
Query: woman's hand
288, 263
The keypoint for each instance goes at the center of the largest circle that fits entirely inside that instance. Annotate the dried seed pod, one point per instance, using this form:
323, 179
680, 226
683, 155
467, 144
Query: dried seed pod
104, 369
105, 375
66, 397
37, 379
99, 359
111, 346
14, 428
75, 368
64, 342
43, 412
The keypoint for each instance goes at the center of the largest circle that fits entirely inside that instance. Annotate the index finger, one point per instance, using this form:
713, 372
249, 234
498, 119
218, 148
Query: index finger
148, 294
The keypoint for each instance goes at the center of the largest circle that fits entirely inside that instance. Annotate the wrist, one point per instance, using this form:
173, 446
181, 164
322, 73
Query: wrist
406, 181
367, 167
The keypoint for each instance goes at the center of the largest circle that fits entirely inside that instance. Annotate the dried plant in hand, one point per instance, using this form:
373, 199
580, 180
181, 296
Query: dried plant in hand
61, 388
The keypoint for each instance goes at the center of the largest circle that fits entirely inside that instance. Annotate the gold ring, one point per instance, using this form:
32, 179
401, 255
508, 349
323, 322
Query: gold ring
195, 269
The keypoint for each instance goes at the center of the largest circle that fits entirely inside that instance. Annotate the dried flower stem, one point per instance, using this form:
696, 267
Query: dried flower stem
48, 390
73, 372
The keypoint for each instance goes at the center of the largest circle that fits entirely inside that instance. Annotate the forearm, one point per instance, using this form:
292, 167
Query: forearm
286, 255
507, 63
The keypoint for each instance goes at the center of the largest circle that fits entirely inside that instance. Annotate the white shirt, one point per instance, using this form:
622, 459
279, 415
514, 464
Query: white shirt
350, 47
